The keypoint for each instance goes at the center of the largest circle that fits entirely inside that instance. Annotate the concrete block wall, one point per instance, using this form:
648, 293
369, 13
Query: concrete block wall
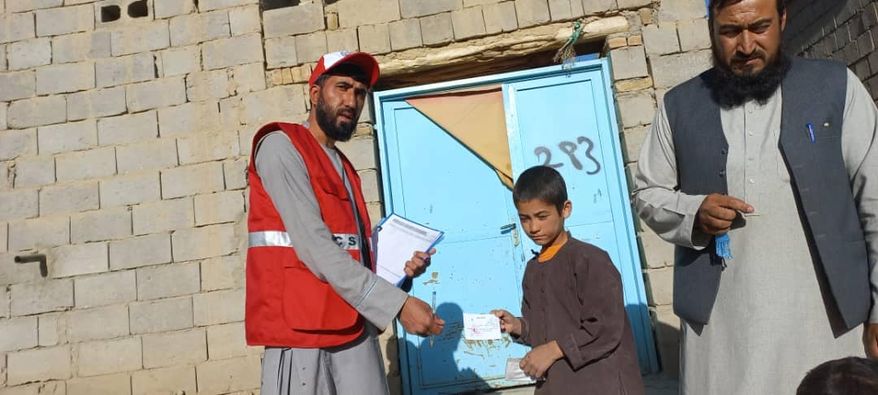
846, 31
124, 144
119, 166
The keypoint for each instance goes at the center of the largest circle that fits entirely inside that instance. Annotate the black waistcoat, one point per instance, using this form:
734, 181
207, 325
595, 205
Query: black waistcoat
813, 93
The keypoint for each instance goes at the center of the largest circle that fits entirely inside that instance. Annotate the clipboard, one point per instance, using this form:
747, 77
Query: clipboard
394, 240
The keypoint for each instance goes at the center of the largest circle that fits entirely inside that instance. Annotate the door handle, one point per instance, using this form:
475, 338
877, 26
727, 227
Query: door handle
508, 227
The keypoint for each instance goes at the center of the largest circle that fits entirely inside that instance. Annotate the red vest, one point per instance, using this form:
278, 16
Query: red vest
287, 305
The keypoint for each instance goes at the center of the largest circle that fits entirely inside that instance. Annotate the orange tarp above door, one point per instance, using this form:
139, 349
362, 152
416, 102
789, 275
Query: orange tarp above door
476, 118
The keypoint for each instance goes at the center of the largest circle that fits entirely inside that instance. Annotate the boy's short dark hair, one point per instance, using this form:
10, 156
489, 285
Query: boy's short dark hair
543, 183
846, 376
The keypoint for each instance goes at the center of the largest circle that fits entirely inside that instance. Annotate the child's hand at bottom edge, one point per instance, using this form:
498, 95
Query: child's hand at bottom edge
540, 359
508, 323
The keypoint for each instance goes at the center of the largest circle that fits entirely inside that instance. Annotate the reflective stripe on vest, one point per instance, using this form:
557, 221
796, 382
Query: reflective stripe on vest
273, 238
270, 238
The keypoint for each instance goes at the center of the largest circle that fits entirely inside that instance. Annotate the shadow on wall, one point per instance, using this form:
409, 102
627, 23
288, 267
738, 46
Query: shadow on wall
445, 365
667, 339
806, 20
441, 353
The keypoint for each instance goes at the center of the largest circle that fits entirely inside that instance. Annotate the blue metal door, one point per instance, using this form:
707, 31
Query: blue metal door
432, 179
555, 116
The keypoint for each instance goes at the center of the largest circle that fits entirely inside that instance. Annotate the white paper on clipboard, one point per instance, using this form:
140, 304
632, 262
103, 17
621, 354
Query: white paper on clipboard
396, 239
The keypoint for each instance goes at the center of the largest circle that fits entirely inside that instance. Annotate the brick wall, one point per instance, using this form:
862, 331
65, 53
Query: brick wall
125, 132
844, 30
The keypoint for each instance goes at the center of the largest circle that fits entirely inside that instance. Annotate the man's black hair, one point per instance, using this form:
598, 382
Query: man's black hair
846, 376
346, 69
542, 183
716, 5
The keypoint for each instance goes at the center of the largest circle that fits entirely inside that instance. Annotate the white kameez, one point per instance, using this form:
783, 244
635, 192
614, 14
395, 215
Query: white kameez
769, 325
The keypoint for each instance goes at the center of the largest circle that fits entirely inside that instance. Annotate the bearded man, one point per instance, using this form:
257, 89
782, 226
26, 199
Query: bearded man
762, 171
313, 299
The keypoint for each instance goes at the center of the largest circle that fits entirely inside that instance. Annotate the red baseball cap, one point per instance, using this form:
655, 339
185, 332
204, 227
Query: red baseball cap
361, 59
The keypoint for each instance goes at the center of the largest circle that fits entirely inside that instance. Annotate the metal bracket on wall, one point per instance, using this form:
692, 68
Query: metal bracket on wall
41, 258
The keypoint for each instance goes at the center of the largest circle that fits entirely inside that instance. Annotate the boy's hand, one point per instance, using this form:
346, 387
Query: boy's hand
540, 359
419, 262
508, 323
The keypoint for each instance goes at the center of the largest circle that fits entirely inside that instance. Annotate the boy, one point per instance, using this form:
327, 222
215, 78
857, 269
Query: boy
573, 314
846, 376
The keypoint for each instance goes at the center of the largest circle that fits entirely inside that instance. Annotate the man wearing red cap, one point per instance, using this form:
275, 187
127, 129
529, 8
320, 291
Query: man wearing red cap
313, 299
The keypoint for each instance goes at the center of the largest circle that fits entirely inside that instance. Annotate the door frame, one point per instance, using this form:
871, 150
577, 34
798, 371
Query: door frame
603, 66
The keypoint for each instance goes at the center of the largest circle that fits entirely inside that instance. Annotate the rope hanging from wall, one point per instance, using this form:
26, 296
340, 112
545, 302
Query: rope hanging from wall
567, 54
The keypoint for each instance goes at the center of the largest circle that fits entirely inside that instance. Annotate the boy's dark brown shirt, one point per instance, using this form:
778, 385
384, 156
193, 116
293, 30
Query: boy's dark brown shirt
575, 298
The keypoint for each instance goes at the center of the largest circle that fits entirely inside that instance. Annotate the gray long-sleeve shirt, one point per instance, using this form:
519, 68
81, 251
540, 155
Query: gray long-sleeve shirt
286, 180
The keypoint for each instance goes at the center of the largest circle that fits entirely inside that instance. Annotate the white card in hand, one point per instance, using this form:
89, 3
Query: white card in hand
481, 327
513, 370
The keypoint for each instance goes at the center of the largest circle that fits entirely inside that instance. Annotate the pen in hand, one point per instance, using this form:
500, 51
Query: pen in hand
433, 306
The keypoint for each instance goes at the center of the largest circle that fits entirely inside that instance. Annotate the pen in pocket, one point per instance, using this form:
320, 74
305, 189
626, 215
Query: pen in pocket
811, 132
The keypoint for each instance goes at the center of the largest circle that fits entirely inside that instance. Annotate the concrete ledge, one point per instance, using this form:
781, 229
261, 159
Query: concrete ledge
506, 45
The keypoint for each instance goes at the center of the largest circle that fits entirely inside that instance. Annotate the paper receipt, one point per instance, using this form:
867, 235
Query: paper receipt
481, 327
514, 372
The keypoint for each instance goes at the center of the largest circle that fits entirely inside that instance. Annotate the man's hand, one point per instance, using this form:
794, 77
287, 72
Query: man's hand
419, 262
417, 317
717, 212
870, 340
508, 323
540, 359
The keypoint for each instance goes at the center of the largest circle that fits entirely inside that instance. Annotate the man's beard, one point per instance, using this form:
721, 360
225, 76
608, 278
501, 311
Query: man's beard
732, 90
326, 116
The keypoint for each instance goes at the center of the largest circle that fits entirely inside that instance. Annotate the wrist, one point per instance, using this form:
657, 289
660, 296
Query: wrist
556, 350
405, 303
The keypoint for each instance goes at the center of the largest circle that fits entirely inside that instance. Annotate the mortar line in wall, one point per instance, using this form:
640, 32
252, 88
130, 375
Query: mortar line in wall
262, 32
171, 245
74, 293
8, 290
136, 288
192, 307
141, 353
206, 328
160, 182
176, 153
